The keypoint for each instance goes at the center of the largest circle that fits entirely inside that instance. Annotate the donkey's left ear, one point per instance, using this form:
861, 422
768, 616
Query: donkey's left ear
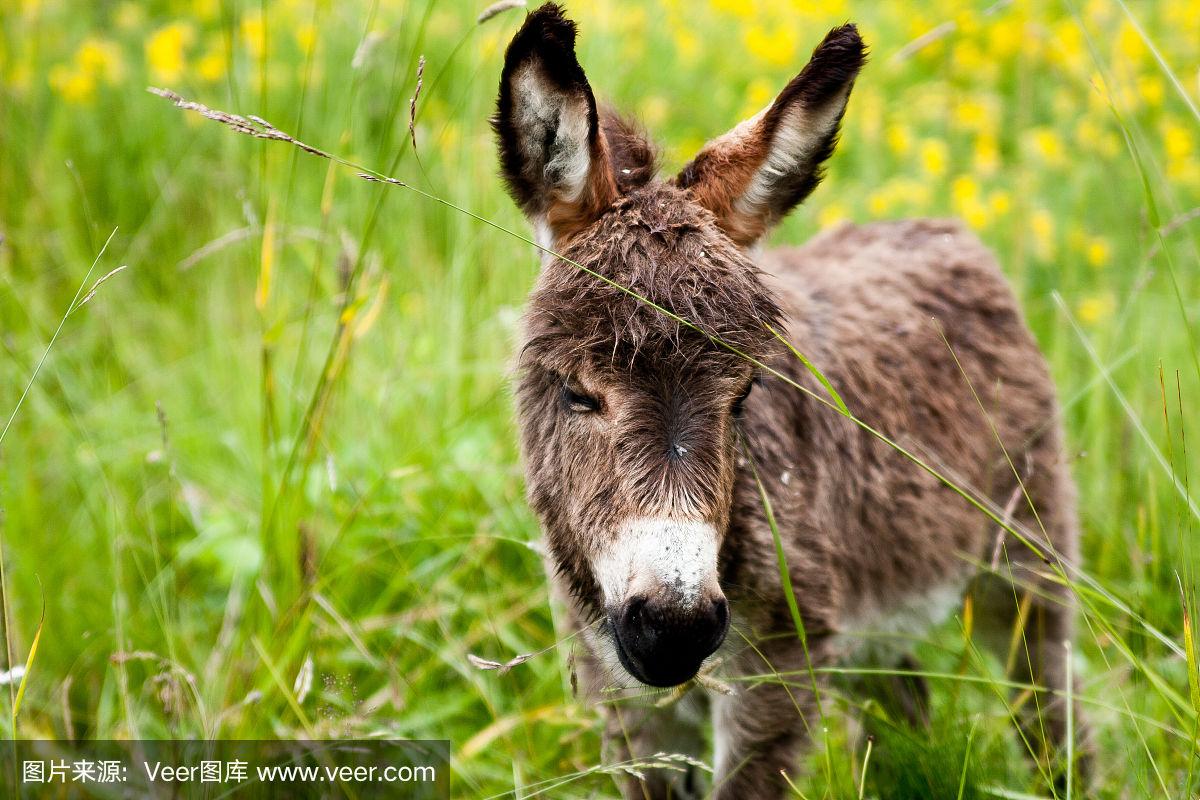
552, 151
755, 174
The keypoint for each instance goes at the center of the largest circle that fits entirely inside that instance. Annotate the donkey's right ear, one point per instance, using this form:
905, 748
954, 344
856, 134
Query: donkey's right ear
552, 152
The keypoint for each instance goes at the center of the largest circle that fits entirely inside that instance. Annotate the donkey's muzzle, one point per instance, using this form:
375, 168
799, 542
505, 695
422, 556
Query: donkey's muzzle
663, 642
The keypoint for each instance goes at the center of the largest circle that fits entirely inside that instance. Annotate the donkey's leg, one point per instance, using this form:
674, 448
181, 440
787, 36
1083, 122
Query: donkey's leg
762, 729
1029, 619
903, 697
638, 732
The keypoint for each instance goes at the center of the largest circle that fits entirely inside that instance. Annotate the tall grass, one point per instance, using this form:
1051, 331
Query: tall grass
283, 436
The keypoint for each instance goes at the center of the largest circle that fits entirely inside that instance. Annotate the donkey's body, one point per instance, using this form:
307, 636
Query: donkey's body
648, 458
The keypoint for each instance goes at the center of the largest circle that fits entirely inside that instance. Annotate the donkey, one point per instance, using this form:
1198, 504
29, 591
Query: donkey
670, 440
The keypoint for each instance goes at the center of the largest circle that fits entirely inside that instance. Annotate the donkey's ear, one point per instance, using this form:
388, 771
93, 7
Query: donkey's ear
552, 152
753, 175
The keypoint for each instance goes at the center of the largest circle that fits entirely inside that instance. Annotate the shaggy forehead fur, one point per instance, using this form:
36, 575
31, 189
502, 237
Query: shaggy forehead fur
656, 242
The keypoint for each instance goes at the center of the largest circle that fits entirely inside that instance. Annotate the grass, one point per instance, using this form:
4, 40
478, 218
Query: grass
283, 434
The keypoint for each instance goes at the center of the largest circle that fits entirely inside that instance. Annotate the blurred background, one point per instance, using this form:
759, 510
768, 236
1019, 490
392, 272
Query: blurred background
263, 481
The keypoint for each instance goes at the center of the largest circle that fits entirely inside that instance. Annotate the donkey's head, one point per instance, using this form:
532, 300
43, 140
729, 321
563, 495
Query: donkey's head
633, 371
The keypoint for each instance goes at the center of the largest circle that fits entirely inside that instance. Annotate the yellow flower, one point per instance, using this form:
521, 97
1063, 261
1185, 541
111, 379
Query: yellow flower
833, 214
166, 51
306, 37
879, 202
1000, 202
964, 194
1151, 90
934, 156
968, 57
1090, 135
759, 94
739, 8
1005, 37
211, 66
101, 58
776, 47
1068, 47
1047, 145
1096, 308
899, 139
1042, 226
987, 154
1098, 251
964, 189
973, 115
72, 84
1177, 141
654, 110
206, 10
1129, 43
254, 35
687, 44
1178, 144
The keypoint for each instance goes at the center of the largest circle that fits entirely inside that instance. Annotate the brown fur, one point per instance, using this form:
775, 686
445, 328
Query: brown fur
866, 532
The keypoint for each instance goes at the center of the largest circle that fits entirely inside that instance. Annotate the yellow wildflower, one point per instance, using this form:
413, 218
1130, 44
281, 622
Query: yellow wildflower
1098, 251
1000, 202
212, 65
687, 44
1129, 44
254, 35
738, 8
1068, 47
306, 37
968, 58
1048, 146
1042, 226
776, 47
759, 94
101, 58
206, 10
964, 194
1091, 136
166, 51
879, 202
1096, 308
834, 213
1177, 141
972, 115
899, 139
934, 156
1005, 37
1151, 90
72, 84
964, 189
654, 110
987, 154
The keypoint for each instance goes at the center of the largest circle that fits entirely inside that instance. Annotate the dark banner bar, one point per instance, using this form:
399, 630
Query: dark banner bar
356, 768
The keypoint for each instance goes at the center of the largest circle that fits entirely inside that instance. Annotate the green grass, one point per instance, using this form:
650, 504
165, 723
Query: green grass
285, 431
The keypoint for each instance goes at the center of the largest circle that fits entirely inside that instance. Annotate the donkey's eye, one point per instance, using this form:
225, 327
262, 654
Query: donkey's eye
736, 409
577, 402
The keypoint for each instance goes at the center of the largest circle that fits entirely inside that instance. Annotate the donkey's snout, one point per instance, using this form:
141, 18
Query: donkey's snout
662, 643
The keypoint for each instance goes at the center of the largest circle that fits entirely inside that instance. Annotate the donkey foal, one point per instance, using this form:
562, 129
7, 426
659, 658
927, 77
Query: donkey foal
642, 437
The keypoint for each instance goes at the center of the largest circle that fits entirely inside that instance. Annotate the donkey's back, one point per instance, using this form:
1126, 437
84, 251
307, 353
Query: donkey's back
915, 326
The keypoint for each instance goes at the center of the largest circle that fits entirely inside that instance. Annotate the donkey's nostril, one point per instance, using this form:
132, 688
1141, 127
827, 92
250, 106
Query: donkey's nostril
721, 611
663, 642
632, 613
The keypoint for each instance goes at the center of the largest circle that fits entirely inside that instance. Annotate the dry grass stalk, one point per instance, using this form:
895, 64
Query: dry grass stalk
249, 125
412, 103
495, 9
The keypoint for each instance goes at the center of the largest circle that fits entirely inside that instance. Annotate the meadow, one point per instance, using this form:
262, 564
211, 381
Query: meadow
263, 480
